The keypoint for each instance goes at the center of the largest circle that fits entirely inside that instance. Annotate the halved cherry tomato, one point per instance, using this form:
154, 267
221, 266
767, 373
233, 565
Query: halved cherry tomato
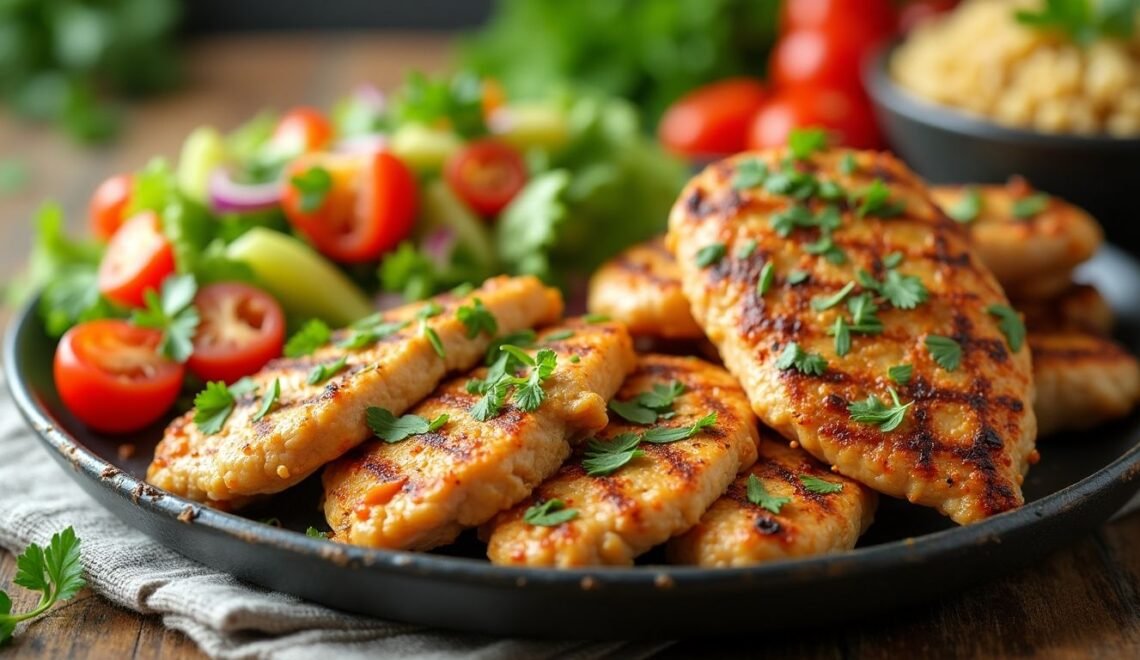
139, 257
302, 130
712, 120
369, 207
486, 174
110, 375
241, 328
874, 18
918, 11
105, 211
846, 115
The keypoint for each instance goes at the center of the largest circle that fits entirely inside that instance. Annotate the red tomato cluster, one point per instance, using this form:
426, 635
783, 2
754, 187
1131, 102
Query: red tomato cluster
815, 77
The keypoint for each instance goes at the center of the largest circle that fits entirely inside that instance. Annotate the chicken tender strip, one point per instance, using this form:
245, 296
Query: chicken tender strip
653, 497
1032, 253
735, 531
641, 287
420, 493
966, 437
313, 424
1082, 380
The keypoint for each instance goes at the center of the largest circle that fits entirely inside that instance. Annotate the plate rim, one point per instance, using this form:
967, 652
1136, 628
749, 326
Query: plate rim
1124, 471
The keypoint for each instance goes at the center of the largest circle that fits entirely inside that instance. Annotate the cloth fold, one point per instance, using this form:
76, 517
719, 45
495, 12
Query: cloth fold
224, 616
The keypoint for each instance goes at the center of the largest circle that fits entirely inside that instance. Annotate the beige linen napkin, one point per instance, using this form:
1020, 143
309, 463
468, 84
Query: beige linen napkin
225, 617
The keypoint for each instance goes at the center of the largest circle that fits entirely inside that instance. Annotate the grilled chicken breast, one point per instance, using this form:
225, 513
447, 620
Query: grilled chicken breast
421, 492
660, 493
961, 434
641, 287
789, 518
1082, 380
1080, 307
314, 423
1030, 241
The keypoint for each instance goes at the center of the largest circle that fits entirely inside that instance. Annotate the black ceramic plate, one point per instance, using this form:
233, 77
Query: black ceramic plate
910, 554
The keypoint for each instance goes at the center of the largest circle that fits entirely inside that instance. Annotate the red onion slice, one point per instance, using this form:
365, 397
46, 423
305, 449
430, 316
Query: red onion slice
438, 246
362, 144
370, 97
227, 195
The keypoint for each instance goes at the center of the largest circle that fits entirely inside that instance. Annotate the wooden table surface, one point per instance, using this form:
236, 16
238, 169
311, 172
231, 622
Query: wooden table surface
1082, 602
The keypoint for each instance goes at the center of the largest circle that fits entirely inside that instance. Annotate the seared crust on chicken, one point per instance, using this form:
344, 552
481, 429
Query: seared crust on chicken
1031, 254
1080, 307
641, 287
313, 424
421, 492
967, 437
656, 495
737, 532
1082, 380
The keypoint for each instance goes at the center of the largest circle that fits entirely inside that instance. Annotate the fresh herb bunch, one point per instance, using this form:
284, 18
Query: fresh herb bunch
1085, 21
55, 571
59, 58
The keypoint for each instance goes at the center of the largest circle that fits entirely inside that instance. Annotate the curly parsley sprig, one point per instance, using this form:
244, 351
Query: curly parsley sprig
55, 571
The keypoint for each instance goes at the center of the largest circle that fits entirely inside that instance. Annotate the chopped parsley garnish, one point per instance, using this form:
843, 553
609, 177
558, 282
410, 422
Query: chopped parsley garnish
605, 457
822, 303
819, 486
811, 364
314, 533
901, 373
759, 495
797, 277
478, 319
1027, 207
767, 276
875, 201
647, 406
364, 335
968, 208
710, 254
945, 351
323, 372
597, 318
173, 313
842, 336
827, 248
892, 260
432, 337
501, 383
830, 191
873, 411
522, 339
463, 290
803, 142
575, 359
268, 400
847, 164
390, 428
558, 336
798, 185
663, 436
430, 310
1010, 324
746, 249
55, 571
314, 334
786, 221
314, 185
902, 291
863, 314
749, 174
212, 407
494, 397
549, 514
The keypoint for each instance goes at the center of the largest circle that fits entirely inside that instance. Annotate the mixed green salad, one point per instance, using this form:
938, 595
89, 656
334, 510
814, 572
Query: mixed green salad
200, 266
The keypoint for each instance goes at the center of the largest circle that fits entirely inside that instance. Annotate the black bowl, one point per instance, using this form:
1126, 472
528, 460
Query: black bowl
945, 145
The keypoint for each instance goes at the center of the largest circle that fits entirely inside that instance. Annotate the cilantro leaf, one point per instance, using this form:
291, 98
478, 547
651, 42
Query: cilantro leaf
819, 486
803, 142
847, 164
171, 312
596, 318
811, 364
786, 221
314, 185
795, 184
212, 407
549, 514
902, 291
968, 208
797, 277
875, 201
633, 411
433, 338
366, 334
767, 276
661, 435
661, 396
901, 373
863, 314
746, 249
1027, 207
605, 457
822, 303
269, 400
945, 351
529, 394
522, 339
842, 335
710, 254
391, 429
1009, 321
893, 260
558, 336
759, 495
55, 571
323, 372
492, 401
874, 411
749, 174
478, 319
314, 533
826, 247
314, 334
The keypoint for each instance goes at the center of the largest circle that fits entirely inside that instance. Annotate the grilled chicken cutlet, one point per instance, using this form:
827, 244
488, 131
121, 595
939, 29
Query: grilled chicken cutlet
861, 324
787, 505
418, 492
638, 482
1030, 240
391, 360
1080, 308
1082, 380
641, 287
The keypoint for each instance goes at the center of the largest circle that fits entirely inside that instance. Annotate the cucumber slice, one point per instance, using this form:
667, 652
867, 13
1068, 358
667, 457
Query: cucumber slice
533, 126
441, 208
203, 150
422, 148
306, 283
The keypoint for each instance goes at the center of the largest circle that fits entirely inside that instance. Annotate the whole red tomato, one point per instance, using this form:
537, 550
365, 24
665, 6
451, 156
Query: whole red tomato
846, 115
874, 19
712, 120
819, 59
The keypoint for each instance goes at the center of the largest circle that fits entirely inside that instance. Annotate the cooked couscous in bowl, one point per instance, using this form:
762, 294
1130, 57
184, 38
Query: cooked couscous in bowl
1015, 63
